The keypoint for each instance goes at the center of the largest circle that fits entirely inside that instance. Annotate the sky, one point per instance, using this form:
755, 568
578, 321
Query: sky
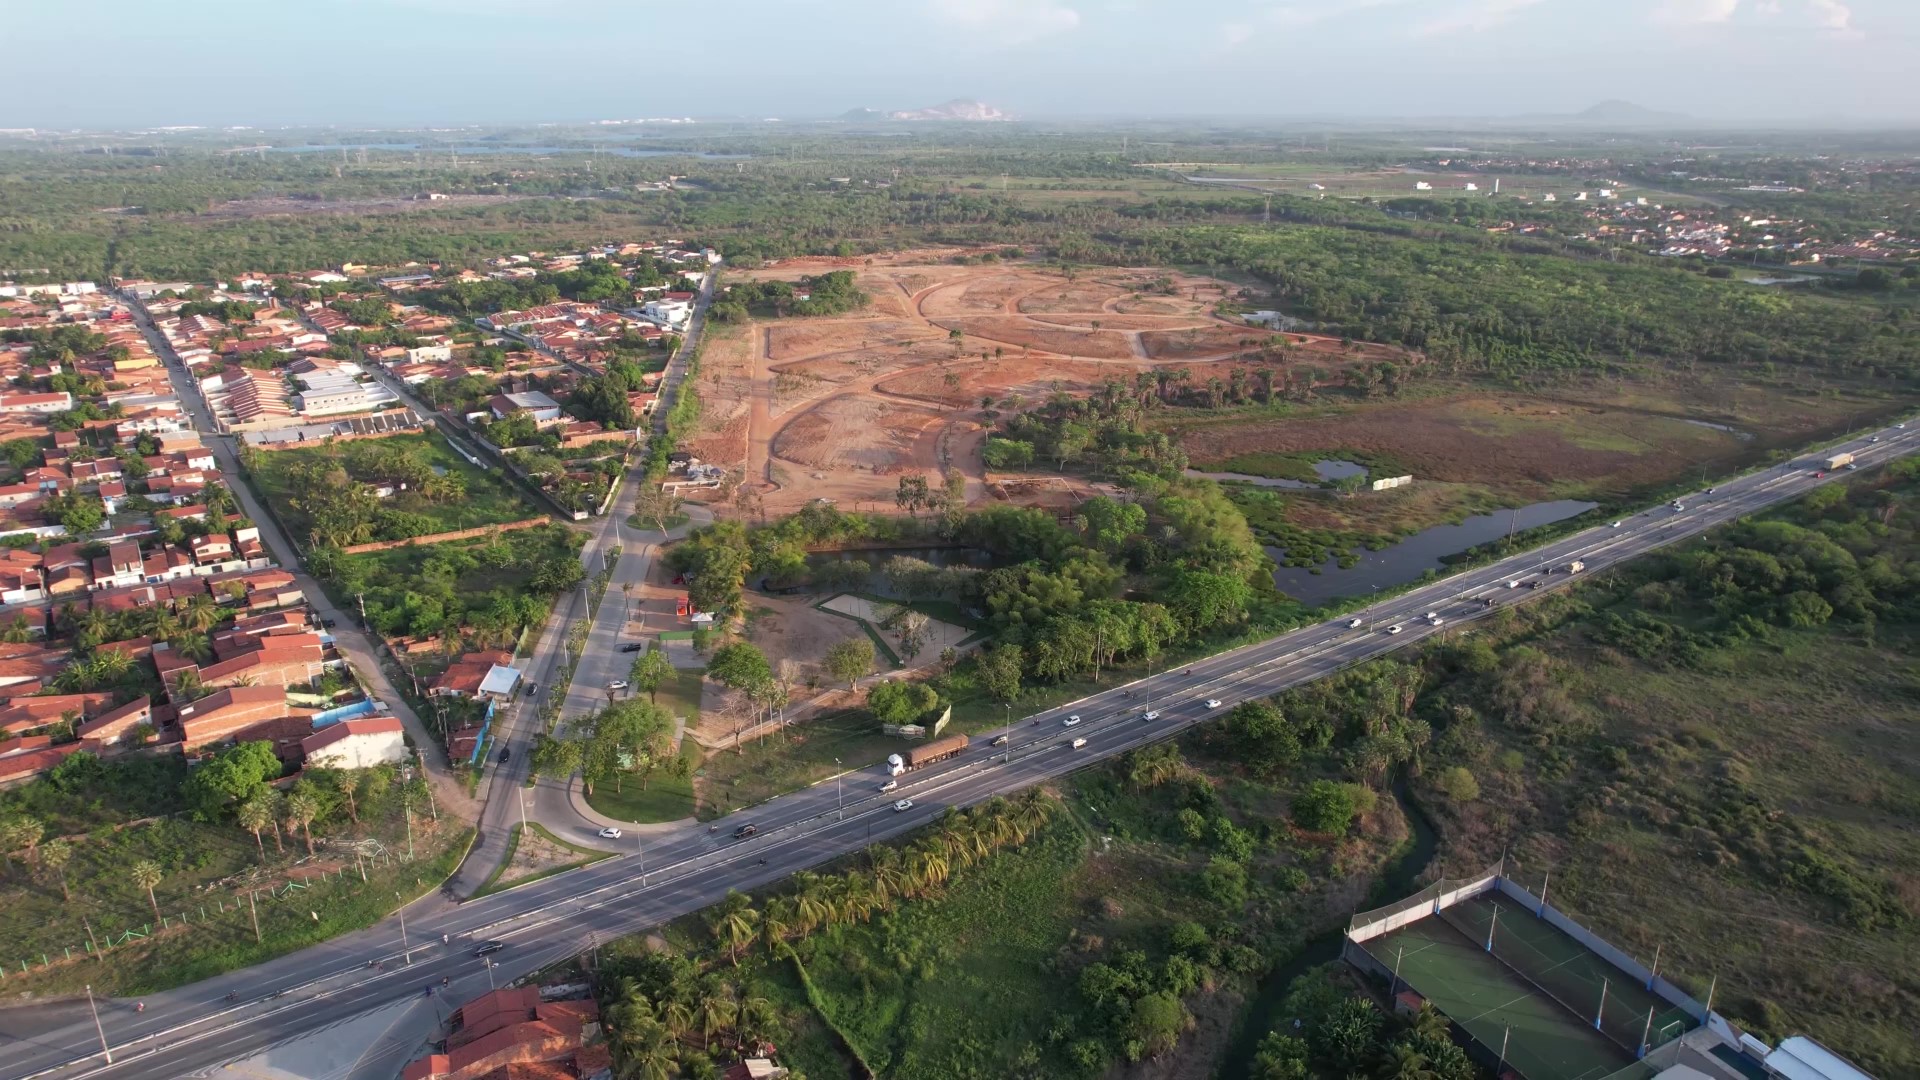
137, 63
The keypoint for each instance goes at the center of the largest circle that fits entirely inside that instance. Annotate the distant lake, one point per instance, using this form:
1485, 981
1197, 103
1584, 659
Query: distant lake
1410, 558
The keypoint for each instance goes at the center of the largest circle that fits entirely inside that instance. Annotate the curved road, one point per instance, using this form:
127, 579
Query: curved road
193, 1029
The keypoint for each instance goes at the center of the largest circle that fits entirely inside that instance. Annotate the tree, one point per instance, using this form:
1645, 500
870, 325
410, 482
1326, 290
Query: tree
1000, 670
850, 659
660, 507
1459, 784
1325, 806
53, 859
912, 495
734, 922
899, 701
650, 671
146, 874
1154, 1025
739, 665
347, 783
235, 774
19, 833
256, 816
302, 809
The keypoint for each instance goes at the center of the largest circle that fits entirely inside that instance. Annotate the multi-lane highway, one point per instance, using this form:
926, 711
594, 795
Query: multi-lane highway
196, 1027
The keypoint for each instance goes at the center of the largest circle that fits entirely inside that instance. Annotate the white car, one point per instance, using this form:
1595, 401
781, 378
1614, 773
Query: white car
1876, 438
1615, 525
1213, 703
1078, 743
610, 833
1677, 508
1902, 427
1353, 624
1394, 629
617, 684
891, 785
1071, 720
1151, 714
1434, 619
903, 805
1513, 584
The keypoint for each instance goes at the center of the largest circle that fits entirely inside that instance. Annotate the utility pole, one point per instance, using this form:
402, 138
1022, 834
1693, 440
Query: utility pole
836, 792
255, 912
97, 1029
406, 952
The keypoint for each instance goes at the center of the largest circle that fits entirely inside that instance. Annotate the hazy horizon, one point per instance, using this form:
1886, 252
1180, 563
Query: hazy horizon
424, 63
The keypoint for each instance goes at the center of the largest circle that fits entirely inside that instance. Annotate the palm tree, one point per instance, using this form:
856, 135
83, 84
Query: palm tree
146, 874
1403, 1062
200, 614
53, 859
193, 645
641, 1046
1428, 1020
302, 808
24, 831
756, 1019
347, 783
717, 1007
735, 923
256, 816
810, 903
187, 686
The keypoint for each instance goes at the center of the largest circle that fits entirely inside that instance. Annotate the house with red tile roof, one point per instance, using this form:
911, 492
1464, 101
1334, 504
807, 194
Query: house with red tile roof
294, 660
114, 725
358, 743
27, 713
237, 713
464, 676
20, 768
505, 1031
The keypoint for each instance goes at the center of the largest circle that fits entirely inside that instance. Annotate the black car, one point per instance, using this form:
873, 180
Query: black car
745, 831
505, 752
490, 948
327, 623
633, 646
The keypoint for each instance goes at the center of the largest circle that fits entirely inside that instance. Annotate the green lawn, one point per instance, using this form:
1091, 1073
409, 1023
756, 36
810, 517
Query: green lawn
663, 798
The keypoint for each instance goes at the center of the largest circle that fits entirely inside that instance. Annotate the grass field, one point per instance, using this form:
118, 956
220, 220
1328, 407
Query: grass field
1542, 1040
661, 798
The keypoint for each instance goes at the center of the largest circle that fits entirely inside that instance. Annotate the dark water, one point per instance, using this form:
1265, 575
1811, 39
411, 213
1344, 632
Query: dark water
1417, 554
1262, 1013
1328, 470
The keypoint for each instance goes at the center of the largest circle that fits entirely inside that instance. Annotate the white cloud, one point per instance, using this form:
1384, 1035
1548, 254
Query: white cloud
1694, 12
1477, 16
1009, 22
1306, 14
1831, 15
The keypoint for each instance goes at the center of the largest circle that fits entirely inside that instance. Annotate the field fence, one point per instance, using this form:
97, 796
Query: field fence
230, 913
1433, 898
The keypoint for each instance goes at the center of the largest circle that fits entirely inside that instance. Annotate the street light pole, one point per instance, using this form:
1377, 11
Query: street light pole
489, 962
837, 796
406, 952
97, 1029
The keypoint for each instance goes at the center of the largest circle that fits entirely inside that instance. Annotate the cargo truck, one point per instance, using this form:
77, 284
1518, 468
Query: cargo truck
1838, 460
1576, 566
922, 756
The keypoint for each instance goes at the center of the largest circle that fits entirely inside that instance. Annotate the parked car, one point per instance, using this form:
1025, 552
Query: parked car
633, 646
617, 684
327, 623
610, 833
903, 805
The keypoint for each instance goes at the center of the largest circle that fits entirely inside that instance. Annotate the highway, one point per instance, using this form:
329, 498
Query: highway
193, 1029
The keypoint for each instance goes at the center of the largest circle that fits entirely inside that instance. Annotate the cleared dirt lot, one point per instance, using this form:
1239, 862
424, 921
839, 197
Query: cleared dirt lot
836, 407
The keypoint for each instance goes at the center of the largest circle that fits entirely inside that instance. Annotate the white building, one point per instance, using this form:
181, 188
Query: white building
360, 743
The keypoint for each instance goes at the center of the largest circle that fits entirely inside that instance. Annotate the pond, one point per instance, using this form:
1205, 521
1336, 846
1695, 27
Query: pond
1410, 558
1328, 470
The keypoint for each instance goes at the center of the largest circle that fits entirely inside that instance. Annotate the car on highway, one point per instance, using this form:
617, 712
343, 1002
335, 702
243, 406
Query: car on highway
1533, 584
1078, 743
1434, 619
1820, 475
1615, 525
1071, 720
1353, 624
1514, 584
745, 831
1213, 703
490, 948
1876, 438
1150, 714
633, 646
1678, 507
1394, 629
1850, 466
617, 684
1712, 490
999, 740
891, 785
903, 806
1902, 427
610, 833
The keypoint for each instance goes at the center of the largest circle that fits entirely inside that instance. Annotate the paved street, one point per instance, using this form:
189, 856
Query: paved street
192, 1029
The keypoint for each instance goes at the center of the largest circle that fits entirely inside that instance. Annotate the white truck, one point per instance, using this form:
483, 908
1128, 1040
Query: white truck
1576, 566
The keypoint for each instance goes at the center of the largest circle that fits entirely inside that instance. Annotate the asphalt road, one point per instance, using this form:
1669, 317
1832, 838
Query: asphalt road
193, 1029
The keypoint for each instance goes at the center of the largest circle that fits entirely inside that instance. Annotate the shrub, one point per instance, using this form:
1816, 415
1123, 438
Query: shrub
1459, 784
1325, 807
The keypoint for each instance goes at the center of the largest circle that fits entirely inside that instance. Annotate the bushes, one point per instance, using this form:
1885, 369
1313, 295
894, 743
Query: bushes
1326, 807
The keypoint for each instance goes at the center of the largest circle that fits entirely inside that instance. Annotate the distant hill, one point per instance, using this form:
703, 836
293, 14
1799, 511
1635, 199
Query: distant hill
1626, 112
962, 109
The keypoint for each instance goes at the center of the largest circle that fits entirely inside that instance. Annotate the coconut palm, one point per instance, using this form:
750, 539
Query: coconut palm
716, 1007
302, 809
53, 858
256, 816
1403, 1062
188, 686
810, 903
19, 833
147, 874
642, 1049
734, 922
200, 614
192, 645
347, 783
777, 921
757, 1020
